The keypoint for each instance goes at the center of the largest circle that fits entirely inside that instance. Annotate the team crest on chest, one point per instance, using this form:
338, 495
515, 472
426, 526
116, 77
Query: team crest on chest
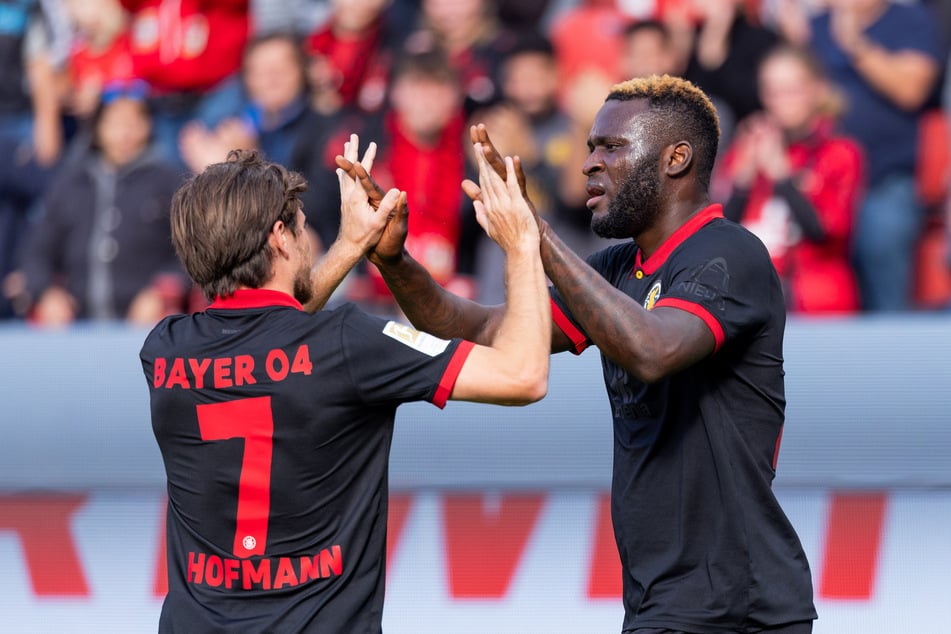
652, 296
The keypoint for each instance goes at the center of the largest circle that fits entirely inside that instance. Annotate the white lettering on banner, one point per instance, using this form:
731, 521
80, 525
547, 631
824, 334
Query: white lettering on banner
539, 561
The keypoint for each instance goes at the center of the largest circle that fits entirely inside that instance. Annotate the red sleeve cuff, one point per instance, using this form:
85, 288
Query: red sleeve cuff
448, 380
696, 309
578, 340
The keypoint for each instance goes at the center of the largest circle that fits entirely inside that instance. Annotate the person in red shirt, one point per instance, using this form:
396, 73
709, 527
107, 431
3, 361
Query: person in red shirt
421, 137
100, 54
350, 57
796, 184
189, 51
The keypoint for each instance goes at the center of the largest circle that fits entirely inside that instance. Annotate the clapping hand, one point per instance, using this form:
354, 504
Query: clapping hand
365, 209
501, 208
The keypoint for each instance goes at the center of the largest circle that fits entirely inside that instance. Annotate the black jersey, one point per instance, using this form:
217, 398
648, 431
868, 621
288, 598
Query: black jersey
704, 545
275, 428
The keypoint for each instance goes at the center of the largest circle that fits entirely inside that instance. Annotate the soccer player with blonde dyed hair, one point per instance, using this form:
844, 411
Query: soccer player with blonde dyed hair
688, 315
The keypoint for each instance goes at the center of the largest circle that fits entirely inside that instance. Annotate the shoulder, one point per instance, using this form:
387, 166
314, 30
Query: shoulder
723, 239
159, 338
842, 150
909, 27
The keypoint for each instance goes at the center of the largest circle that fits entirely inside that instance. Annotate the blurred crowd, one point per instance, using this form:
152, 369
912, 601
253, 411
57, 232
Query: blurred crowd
834, 115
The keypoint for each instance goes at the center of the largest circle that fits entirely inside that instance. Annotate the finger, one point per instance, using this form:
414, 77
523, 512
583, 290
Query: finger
481, 215
369, 156
511, 178
491, 181
345, 164
370, 186
402, 207
474, 134
485, 177
471, 189
390, 201
520, 174
351, 147
491, 154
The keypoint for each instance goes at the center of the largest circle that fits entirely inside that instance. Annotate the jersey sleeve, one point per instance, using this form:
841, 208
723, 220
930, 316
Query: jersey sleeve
392, 362
724, 276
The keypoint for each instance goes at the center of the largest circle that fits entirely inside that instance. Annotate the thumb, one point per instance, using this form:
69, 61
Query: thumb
471, 189
402, 207
390, 201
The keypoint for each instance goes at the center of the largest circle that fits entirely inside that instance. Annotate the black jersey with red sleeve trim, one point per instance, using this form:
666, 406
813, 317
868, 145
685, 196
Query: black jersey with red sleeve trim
704, 544
275, 428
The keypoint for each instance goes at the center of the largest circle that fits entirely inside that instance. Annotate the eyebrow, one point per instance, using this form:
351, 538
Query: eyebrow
594, 141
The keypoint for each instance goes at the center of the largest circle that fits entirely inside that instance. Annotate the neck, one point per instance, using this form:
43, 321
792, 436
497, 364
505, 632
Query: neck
672, 217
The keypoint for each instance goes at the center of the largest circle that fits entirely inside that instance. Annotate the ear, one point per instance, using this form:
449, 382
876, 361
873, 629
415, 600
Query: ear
278, 239
679, 158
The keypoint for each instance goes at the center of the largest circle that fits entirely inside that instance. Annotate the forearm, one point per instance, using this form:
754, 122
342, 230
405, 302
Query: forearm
803, 211
432, 308
904, 77
330, 271
523, 340
621, 329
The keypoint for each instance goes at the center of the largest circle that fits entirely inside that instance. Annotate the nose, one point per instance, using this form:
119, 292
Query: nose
592, 164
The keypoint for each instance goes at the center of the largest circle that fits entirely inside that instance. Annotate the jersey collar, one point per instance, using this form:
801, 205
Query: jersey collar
255, 298
683, 232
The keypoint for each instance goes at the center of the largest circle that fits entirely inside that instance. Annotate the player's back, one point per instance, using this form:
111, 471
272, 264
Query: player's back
276, 466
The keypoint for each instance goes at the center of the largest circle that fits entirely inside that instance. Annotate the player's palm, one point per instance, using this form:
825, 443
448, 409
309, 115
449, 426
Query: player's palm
501, 210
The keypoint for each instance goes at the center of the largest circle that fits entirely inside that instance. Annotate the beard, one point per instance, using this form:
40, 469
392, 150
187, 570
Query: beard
636, 206
303, 289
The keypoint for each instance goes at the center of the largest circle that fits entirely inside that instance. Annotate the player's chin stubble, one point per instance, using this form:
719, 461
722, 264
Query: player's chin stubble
303, 291
635, 207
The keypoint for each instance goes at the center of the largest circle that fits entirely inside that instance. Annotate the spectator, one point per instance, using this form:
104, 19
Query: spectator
277, 110
474, 40
100, 53
31, 131
720, 44
102, 248
573, 32
886, 58
189, 51
420, 137
350, 57
796, 184
648, 50
531, 125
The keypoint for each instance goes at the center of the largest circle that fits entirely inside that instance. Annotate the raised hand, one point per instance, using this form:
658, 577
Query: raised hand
389, 245
364, 211
501, 209
479, 136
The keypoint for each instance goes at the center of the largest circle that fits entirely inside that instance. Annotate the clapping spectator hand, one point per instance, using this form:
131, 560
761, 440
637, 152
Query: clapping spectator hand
201, 147
760, 151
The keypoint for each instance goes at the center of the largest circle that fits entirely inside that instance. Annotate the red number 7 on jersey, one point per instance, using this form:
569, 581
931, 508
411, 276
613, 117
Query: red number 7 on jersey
251, 419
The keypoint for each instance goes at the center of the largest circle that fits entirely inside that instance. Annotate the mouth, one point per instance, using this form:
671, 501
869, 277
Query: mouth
595, 194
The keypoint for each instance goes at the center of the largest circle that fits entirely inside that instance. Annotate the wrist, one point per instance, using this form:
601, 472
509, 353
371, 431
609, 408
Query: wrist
859, 49
346, 250
389, 261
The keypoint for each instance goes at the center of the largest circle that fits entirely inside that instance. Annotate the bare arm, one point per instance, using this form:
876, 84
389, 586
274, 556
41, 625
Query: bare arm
514, 368
648, 344
906, 77
426, 304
